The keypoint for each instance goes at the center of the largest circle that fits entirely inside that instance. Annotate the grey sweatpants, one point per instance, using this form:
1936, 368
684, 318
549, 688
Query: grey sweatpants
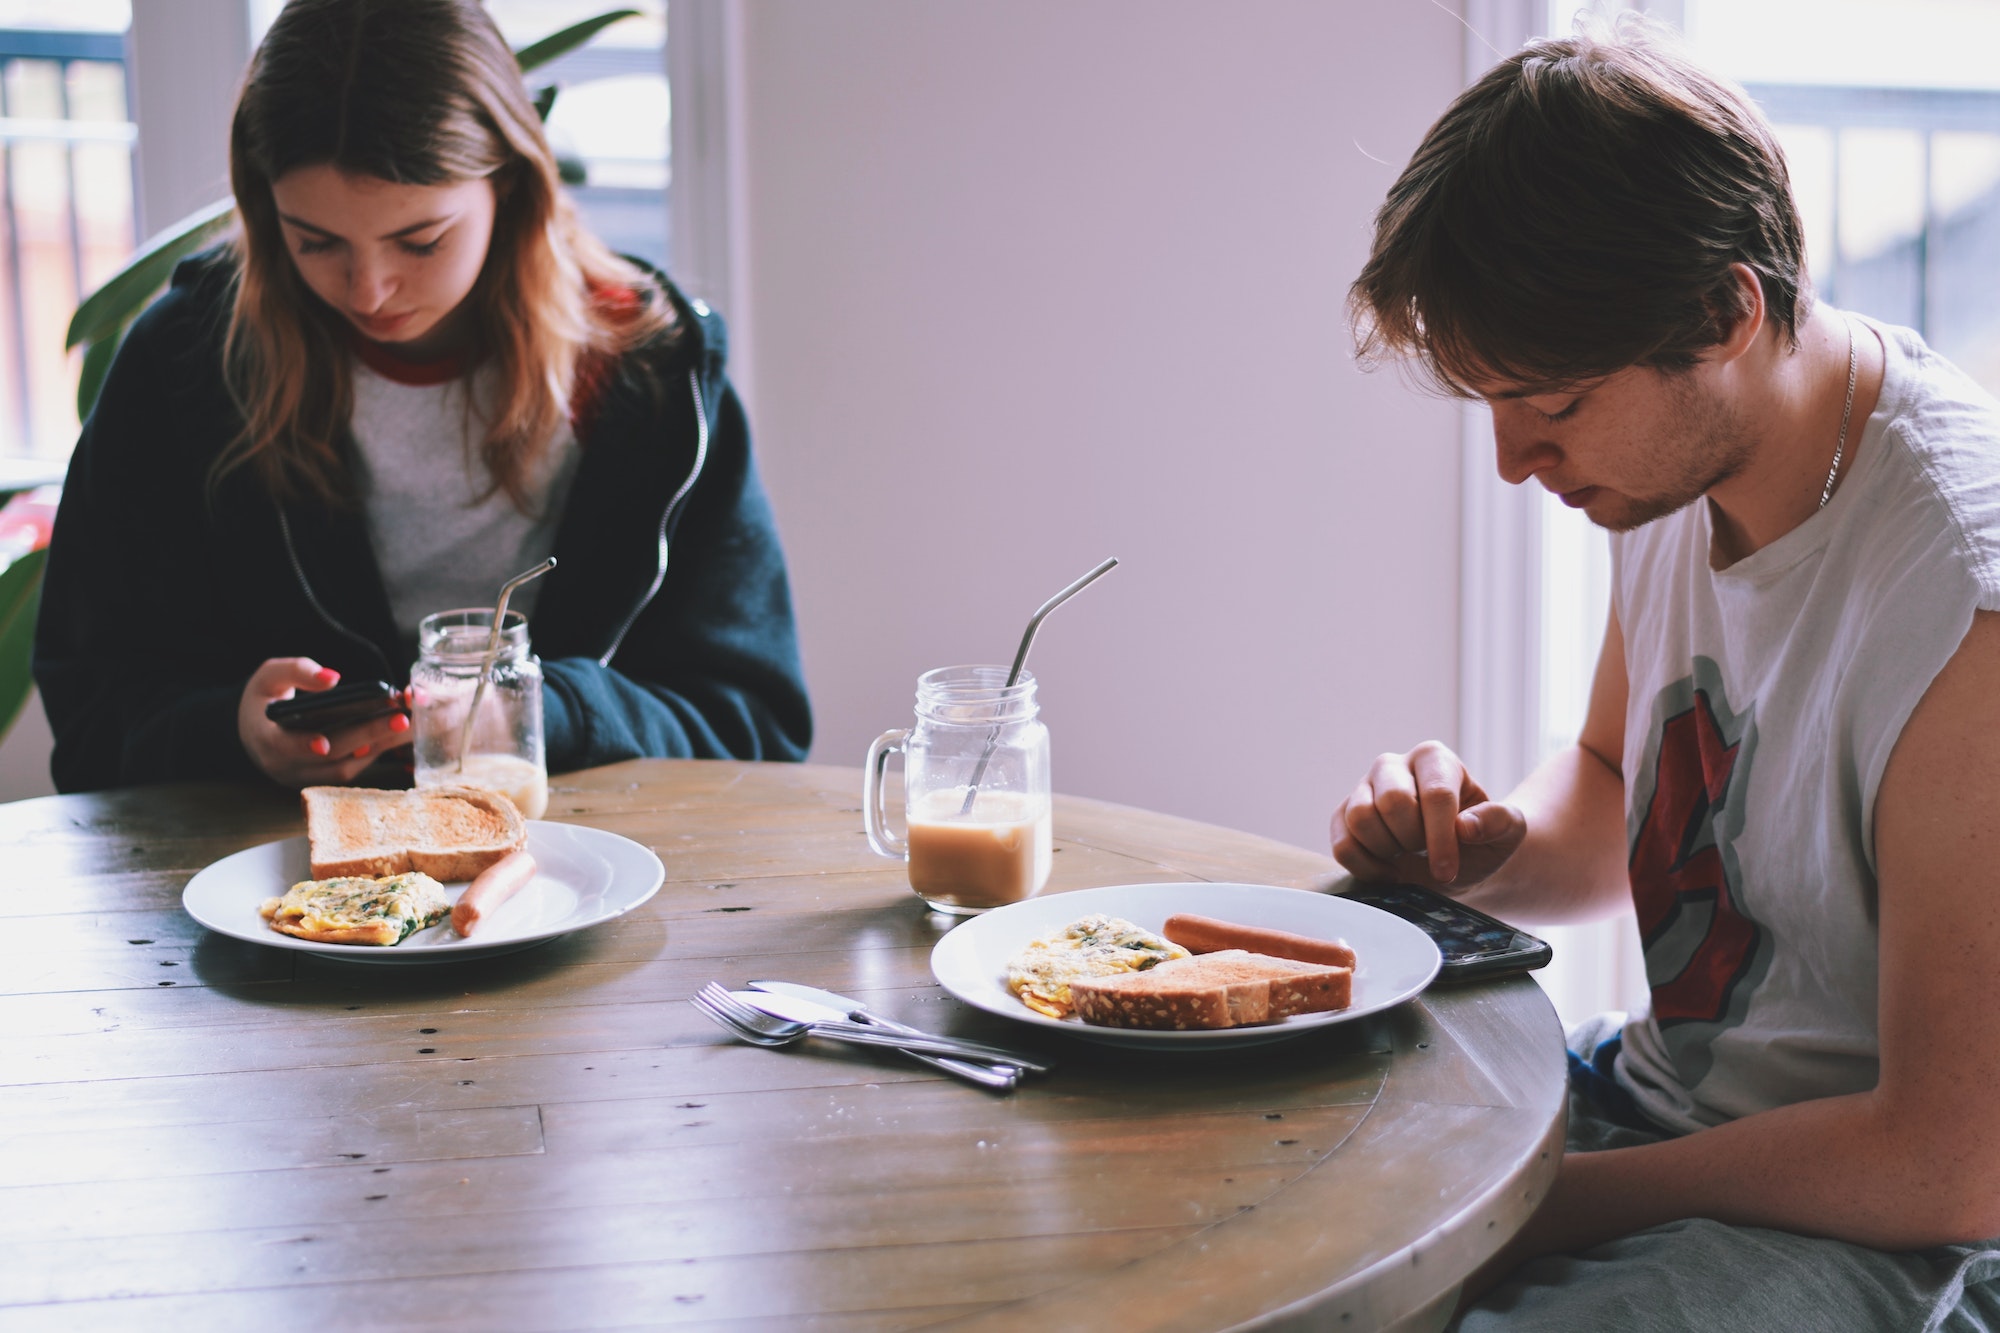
1702, 1275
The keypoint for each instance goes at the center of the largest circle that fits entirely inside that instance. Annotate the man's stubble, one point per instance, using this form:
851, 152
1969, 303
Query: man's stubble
1700, 445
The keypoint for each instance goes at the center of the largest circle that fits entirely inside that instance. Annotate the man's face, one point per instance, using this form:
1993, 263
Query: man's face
1626, 449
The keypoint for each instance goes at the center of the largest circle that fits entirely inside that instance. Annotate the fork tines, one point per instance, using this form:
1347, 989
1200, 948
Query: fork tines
705, 1001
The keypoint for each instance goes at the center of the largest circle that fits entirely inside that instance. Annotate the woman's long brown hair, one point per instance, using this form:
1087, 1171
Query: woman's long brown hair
422, 92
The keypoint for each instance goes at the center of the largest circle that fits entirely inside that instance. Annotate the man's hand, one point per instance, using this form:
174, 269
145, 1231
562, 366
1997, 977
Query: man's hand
303, 758
1419, 818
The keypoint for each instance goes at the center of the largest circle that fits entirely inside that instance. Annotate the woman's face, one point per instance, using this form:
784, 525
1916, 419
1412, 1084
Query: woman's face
396, 260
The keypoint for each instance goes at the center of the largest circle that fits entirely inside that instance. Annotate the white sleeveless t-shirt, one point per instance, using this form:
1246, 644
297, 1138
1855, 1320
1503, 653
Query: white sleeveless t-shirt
1764, 702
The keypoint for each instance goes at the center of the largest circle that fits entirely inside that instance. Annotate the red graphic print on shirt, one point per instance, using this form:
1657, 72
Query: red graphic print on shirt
1704, 952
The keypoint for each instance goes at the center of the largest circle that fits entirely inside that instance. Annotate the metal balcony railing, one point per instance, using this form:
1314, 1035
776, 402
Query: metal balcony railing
66, 217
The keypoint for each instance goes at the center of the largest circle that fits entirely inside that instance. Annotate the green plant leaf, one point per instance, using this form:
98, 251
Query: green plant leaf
96, 364
545, 99
558, 44
20, 594
112, 306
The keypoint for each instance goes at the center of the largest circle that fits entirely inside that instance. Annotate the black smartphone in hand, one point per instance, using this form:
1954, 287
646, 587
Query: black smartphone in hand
1474, 944
346, 705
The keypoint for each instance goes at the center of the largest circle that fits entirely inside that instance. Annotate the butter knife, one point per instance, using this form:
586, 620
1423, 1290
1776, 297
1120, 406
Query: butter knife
855, 1011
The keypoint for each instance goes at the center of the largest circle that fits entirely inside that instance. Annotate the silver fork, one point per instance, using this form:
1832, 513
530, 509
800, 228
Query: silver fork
722, 1002
761, 1029
839, 1022
862, 1034
735, 1029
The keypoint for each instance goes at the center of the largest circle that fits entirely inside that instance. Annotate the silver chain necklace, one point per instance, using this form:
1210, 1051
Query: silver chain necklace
1846, 412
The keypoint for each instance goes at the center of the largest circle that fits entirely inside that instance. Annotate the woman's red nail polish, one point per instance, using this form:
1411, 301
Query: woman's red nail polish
329, 675
321, 746
399, 723
361, 752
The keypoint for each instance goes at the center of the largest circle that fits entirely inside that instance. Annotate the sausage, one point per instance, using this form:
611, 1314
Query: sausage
1204, 934
493, 886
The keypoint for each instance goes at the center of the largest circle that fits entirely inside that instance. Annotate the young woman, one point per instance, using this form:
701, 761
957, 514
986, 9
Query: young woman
411, 376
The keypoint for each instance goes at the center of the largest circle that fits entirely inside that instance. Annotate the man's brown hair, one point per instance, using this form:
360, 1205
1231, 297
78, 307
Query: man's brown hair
1575, 212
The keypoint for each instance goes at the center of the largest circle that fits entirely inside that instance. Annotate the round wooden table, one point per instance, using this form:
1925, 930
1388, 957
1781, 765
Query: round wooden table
202, 1132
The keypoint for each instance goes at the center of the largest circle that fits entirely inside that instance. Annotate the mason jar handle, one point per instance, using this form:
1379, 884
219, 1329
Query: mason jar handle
873, 817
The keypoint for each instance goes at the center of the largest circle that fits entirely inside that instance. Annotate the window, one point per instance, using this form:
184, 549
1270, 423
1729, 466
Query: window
66, 212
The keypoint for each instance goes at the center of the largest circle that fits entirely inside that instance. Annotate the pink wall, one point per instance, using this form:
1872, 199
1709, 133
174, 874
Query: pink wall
1036, 282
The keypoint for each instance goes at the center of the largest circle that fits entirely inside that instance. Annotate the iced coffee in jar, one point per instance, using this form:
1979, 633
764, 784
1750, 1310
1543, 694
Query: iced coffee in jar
976, 791
501, 746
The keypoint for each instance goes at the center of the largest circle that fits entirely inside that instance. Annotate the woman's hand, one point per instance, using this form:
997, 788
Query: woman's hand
304, 758
1419, 818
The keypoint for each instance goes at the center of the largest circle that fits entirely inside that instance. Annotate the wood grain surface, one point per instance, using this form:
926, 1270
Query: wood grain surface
197, 1132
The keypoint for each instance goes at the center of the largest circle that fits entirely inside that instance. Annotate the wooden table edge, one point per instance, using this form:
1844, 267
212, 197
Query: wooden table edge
1507, 1202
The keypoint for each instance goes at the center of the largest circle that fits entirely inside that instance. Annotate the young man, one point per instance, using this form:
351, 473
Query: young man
1791, 763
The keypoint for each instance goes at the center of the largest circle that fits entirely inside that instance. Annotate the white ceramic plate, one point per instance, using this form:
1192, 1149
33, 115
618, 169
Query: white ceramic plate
583, 876
1394, 960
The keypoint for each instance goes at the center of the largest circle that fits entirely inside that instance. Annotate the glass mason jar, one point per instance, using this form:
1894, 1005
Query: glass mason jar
975, 791
502, 750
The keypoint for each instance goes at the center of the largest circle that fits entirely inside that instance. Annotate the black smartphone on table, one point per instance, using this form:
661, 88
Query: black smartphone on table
1474, 944
342, 706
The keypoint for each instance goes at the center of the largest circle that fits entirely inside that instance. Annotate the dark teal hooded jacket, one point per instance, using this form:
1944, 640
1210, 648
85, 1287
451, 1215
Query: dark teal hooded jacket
163, 593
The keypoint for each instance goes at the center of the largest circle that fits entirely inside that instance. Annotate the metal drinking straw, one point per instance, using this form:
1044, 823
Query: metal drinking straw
1020, 661
493, 652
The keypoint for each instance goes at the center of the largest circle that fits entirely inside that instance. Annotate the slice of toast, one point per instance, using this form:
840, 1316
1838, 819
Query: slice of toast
448, 833
1227, 989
